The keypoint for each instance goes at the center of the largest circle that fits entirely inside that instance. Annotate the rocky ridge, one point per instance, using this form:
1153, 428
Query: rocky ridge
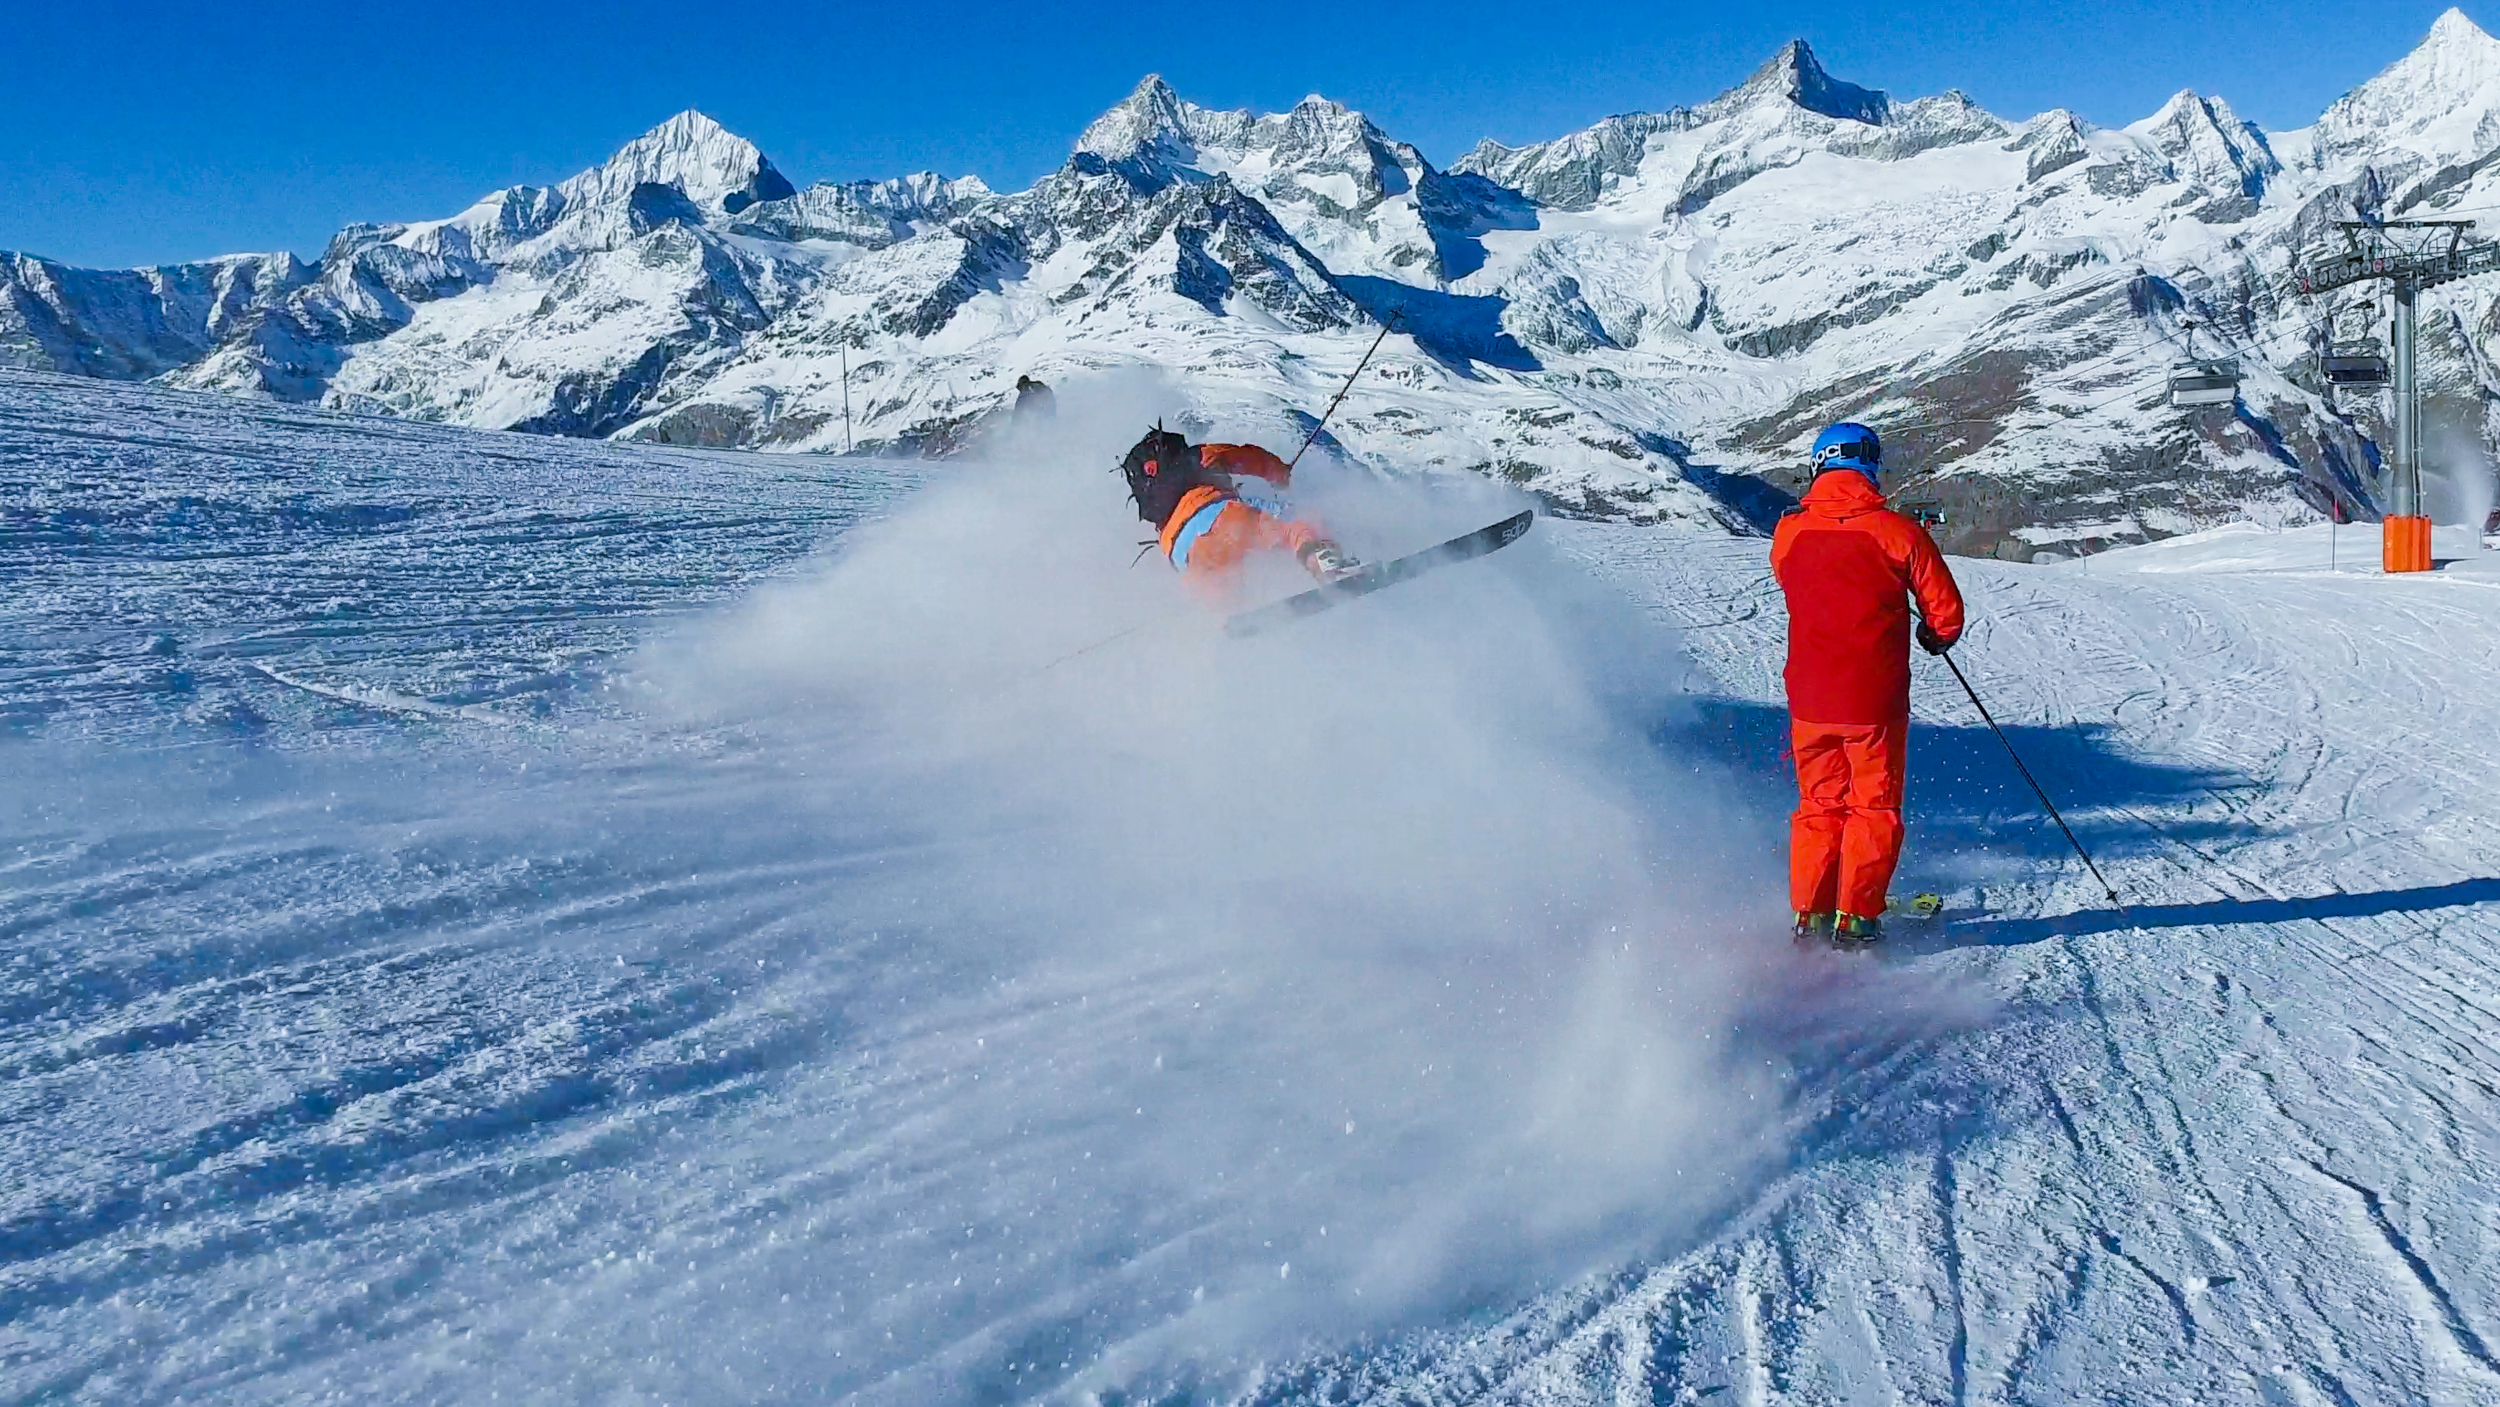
1634, 320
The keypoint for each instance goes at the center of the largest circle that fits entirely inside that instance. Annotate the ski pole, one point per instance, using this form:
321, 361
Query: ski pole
2036, 788
1089, 649
1385, 329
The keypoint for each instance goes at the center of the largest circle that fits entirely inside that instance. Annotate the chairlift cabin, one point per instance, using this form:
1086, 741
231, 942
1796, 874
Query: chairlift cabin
2201, 383
2356, 363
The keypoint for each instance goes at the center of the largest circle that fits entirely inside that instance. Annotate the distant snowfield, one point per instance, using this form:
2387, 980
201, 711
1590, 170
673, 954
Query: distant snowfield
484, 915
2463, 556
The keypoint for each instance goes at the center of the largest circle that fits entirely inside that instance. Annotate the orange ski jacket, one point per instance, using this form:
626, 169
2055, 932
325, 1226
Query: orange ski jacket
1849, 567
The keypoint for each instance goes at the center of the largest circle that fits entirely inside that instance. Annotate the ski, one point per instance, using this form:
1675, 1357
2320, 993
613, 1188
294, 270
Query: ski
1917, 906
1372, 578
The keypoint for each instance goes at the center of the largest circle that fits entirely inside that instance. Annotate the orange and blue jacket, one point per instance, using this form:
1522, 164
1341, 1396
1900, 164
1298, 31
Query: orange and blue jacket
1850, 567
1215, 509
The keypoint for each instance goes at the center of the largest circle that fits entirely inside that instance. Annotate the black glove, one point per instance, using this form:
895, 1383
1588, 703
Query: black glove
1930, 641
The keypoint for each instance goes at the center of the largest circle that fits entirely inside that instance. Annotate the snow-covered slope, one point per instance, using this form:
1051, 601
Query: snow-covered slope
1630, 320
492, 918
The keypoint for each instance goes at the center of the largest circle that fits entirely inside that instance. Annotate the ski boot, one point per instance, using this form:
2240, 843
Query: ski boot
1329, 563
1811, 928
1854, 931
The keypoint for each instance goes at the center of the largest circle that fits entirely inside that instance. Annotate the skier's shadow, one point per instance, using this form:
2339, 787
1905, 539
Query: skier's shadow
2007, 932
1970, 813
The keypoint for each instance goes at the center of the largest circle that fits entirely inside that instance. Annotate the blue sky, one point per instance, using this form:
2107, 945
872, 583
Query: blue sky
141, 133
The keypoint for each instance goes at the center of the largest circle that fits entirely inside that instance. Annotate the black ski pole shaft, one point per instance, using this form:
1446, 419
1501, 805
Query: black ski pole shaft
1317, 425
2036, 789
1089, 649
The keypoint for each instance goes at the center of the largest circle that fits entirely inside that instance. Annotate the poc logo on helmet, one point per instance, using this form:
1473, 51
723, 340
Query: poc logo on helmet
1850, 445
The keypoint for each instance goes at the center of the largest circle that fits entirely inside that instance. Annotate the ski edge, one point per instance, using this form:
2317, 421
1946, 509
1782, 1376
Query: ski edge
1490, 538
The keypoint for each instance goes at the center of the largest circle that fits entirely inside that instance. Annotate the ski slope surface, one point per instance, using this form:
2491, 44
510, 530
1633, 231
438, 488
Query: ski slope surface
485, 917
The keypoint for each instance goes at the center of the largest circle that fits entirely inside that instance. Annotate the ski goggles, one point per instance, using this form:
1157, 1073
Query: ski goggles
1864, 454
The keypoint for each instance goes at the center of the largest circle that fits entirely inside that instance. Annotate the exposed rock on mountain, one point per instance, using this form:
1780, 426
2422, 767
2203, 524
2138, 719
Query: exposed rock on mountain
2202, 145
134, 323
870, 214
1570, 173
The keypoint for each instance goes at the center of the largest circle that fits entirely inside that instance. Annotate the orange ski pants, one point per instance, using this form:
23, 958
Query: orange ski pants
1845, 838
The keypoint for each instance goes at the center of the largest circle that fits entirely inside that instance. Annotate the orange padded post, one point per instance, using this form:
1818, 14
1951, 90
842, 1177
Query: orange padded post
2407, 546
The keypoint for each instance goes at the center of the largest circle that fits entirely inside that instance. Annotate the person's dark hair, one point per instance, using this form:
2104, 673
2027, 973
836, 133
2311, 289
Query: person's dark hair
1161, 468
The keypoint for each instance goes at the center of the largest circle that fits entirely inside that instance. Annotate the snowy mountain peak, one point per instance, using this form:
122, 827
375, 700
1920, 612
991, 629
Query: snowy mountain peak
2186, 108
1317, 122
2054, 140
2204, 144
1148, 119
2453, 29
689, 128
714, 168
1318, 127
2454, 62
1570, 173
2442, 100
1794, 75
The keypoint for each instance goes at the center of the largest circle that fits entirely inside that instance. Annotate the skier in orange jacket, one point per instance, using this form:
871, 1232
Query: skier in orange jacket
1213, 505
1849, 567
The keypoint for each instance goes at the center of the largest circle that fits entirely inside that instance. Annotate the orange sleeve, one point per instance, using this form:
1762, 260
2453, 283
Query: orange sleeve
1242, 459
1931, 581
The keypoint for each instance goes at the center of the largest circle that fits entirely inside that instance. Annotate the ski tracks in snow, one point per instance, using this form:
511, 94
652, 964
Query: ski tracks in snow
308, 1082
2195, 1157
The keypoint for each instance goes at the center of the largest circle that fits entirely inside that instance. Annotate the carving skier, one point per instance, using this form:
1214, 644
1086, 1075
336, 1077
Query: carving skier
1850, 568
1213, 506
1034, 400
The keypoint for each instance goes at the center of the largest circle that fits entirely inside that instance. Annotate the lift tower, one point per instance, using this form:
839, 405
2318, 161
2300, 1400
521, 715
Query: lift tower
2411, 255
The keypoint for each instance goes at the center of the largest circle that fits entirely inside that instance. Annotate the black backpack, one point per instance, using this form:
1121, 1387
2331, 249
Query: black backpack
1161, 468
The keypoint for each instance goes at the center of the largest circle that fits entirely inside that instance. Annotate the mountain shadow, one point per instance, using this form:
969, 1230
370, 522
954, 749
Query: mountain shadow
1455, 327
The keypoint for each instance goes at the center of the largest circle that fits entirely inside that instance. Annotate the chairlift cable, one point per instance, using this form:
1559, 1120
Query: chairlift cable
2070, 367
2163, 374
2128, 389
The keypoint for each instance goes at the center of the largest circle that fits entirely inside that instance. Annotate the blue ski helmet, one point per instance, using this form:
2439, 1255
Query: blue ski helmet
1850, 445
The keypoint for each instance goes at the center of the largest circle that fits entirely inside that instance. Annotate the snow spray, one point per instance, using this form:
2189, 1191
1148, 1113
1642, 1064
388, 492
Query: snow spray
1233, 997
2457, 492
